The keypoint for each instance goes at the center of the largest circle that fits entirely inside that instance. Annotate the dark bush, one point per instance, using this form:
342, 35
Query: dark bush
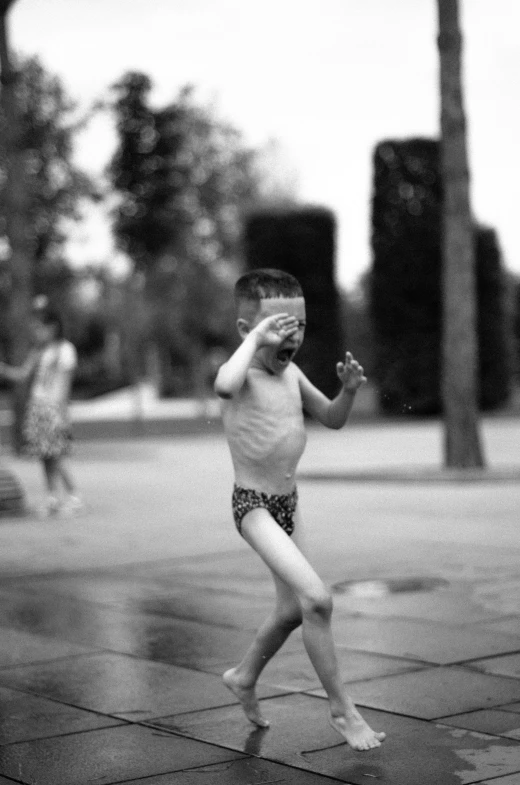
301, 241
405, 285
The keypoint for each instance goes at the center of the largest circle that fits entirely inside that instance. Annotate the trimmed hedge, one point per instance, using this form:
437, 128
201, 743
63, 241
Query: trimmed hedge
405, 288
301, 241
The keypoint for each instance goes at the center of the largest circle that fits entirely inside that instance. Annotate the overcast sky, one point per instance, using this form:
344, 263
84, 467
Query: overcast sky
327, 78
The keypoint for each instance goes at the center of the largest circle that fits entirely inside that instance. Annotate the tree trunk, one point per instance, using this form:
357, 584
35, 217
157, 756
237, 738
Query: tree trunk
16, 199
460, 349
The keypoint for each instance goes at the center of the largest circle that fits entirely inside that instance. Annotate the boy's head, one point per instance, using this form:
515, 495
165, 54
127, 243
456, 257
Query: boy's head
267, 292
265, 284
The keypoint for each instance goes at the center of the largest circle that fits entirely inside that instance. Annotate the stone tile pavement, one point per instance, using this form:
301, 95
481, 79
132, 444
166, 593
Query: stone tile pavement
103, 679
115, 626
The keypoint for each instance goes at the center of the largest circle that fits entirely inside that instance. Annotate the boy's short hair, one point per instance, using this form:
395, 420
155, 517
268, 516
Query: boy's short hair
267, 283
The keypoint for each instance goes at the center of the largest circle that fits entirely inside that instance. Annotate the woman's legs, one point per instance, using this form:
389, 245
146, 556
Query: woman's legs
51, 475
54, 471
289, 566
66, 478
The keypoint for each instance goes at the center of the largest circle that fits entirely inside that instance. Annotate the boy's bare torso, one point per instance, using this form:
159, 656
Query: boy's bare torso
265, 429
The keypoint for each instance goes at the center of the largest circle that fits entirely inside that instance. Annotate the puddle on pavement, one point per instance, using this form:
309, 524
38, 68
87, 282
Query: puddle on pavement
387, 586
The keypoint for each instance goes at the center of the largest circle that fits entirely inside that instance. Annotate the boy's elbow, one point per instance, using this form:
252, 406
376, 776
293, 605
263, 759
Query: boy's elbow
223, 393
335, 421
222, 390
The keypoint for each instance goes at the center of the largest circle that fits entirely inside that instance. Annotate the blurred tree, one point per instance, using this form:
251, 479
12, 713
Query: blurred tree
357, 325
56, 186
405, 286
405, 278
52, 190
463, 447
19, 248
495, 326
182, 178
98, 317
514, 284
18, 245
301, 241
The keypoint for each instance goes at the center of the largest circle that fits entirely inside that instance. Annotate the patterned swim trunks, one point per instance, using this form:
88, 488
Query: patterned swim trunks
281, 507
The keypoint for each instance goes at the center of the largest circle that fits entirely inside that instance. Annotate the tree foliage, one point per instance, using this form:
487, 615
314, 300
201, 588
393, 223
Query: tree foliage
514, 284
405, 285
182, 178
53, 187
181, 175
40, 191
55, 183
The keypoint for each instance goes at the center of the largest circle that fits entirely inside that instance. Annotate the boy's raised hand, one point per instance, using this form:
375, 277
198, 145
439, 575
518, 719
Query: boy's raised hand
273, 330
350, 373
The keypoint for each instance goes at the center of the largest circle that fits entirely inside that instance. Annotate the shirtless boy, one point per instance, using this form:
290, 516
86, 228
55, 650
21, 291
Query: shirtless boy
263, 397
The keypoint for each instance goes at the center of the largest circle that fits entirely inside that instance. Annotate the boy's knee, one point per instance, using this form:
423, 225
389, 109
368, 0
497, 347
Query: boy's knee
318, 604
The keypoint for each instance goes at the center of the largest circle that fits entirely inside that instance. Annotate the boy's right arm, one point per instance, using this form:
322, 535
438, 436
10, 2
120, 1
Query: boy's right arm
270, 331
232, 375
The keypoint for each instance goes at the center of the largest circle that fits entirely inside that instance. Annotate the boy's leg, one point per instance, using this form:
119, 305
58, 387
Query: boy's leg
270, 637
287, 562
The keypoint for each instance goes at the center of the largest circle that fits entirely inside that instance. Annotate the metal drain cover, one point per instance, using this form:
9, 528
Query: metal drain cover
383, 587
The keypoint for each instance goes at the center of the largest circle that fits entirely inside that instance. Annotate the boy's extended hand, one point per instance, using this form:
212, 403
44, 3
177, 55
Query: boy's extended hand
350, 373
273, 330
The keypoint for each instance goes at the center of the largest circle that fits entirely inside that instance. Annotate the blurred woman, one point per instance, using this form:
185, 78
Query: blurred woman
46, 429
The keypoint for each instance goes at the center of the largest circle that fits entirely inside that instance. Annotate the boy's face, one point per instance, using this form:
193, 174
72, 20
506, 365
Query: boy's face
276, 358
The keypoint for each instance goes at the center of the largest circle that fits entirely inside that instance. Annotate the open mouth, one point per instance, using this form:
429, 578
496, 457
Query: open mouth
285, 356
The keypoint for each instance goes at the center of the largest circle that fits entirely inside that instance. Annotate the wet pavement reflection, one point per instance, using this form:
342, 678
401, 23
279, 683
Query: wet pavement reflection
115, 677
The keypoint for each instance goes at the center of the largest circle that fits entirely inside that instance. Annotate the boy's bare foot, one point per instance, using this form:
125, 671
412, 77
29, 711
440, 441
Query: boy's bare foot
356, 731
247, 697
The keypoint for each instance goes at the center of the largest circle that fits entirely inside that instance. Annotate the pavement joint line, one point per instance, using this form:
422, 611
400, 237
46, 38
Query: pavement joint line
394, 657
121, 723
120, 720
259, 731
489, 657
494, 779
432, 721
410, 475
397, 657
439, 721
36, 663
195, 769
247, 754
220, 706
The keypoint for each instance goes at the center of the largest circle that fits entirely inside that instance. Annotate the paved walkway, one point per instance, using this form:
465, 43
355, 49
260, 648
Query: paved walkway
117, 624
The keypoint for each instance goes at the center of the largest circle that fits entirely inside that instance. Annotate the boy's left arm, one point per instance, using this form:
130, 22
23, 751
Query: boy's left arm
335, 413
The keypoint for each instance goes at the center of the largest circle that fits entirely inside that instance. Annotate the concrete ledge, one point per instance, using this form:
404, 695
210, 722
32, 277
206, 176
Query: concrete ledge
129, 429
415, 475
12, 499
